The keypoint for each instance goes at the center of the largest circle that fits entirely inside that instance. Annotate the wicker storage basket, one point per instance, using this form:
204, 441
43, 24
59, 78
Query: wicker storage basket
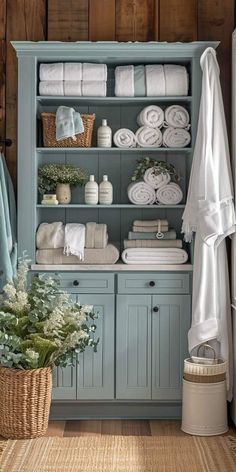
81, 140
25, 398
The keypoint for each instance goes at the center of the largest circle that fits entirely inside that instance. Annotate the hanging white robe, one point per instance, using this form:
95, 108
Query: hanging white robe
210, 213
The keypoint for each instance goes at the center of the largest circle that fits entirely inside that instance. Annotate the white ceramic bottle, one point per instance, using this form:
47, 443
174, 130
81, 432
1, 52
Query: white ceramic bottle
104, 135
105, 191
91, 191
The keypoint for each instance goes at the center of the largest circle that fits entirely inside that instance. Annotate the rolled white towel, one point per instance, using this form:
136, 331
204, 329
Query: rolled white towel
124, 81
170, 194
176, 79
54, 71
94, 72
124, 138
177, 116
72, 71
176, 137
154, 256
152, 116
155, 80
51, 87
141, 193
73, 88
156, 180
148, 137
94, 88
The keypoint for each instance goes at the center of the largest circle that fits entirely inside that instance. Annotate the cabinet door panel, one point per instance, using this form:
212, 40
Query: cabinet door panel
133, 347
95, 370
170, 325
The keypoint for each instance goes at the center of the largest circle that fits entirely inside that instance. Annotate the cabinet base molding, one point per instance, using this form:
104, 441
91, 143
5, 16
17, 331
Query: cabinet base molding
78, 410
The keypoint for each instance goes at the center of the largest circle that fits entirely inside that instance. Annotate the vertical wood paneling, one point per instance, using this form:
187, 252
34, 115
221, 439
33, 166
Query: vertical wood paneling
26, 20
68, 20
216, 21
136, 20
102, 20
178, 20
2, 69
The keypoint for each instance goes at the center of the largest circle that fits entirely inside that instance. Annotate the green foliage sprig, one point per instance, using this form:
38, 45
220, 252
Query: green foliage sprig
160, 167
49, 175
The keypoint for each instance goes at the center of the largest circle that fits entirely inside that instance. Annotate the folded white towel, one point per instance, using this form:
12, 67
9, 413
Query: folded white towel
152, 116
141, 193
170, 194
51, 87
124, 81
176, 79
177, 116
50, 235
73, 87
154, 256
72, 71
74, 240
155, 80
54, 71
124, 138
94, 88
148, 137
176, 137
156, 180
94, 72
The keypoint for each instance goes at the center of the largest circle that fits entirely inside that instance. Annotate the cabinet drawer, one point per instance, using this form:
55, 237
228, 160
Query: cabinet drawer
78, 282
153, 283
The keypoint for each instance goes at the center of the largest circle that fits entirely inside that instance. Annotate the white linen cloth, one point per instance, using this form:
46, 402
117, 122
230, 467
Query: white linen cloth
170, 194
152, 116
156, 181
124, 81
94, 88
54, 71
210, 213
148, 137
141, 193
176, 137
124, 138
73, 88
51, 87
176, 79
176, 116
154, 256
74, 240
96, 72
155, 80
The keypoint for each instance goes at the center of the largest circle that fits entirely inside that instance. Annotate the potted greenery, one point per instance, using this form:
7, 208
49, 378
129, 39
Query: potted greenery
159, 167
60, 177
39, 327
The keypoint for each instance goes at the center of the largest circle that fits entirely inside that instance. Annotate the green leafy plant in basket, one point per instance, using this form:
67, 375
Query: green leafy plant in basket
49, 175
160, 167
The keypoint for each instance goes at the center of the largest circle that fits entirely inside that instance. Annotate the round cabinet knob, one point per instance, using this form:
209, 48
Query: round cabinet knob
155, 309
152, 283
76, 283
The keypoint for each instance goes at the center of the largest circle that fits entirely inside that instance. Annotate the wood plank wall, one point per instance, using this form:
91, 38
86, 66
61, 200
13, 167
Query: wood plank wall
122, 20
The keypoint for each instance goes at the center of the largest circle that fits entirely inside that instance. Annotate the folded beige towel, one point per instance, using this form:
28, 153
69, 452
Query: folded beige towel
50, 235
153, 243
149, 229
108, 255
150, 222
96, 235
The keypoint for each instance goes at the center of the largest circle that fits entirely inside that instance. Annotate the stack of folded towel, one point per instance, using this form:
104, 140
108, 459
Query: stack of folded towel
174, 121
152, 242
155, 189
151, 80
73, 79
74, 243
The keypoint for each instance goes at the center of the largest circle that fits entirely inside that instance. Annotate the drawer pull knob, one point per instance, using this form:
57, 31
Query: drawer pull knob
76, 283
152, 283
155, 309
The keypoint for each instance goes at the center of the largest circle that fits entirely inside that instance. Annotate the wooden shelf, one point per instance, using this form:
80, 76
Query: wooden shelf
119, 266
115, 206
56, 100
94, 150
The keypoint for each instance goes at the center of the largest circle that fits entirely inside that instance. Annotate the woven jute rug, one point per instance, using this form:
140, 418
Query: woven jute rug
120, 454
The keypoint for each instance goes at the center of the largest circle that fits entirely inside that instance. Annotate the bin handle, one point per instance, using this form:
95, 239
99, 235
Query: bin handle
206, 346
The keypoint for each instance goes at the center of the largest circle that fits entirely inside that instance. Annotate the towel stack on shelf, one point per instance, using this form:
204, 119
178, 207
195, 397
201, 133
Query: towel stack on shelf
73, 79
74, 243
153, 242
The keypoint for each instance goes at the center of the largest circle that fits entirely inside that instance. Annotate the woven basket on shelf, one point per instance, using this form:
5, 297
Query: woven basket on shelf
25, 399
81, 140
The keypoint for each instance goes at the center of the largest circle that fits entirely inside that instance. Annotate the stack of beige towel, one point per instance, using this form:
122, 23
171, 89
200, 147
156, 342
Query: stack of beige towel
92, 239
153, 242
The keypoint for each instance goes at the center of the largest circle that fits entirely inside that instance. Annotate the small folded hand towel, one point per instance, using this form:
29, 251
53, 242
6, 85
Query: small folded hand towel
148, 137
155, 80
73, 88
51, 87
176, 137
124, 138
176, 79
154, 256
54, 71
50, 235
74, 240
141, 193
139, 81
177, 117
124, 81
72, 71
156, 181
152, 243
94, 88
170, 194
94, 72
151, 116
68, 123
171, 234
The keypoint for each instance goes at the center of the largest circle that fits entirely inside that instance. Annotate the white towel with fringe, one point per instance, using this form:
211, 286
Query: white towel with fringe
124, 138
176, 137
141, 193
74, 240
156, 180
170, 194
152, 116
154, 256
177, 117
148, 137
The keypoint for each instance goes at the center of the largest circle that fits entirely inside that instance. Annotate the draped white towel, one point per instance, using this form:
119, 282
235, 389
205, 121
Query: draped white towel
177, 116
51, 87
124, 138
152, 116
73, 88
94, 88
96, 72
141, 193
124, 81
170, 194
155, 80
72, 71
155, 180
154, 256
75, 240
54, 71
148, 137
176, 137
176, 79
